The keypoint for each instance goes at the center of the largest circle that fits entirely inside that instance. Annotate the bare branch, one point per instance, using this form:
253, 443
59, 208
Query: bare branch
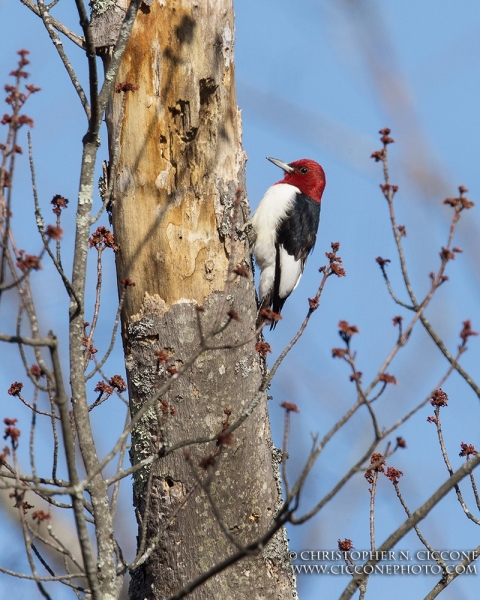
41, 227
449, 467
92, 62
449, 577
50, 25
435, 555
76, 495
79, 41
19, 339
416, 517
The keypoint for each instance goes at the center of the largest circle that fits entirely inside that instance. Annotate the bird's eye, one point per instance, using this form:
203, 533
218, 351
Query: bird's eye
304, 170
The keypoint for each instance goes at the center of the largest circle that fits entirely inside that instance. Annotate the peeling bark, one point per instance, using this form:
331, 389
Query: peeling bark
180, 163
244, 487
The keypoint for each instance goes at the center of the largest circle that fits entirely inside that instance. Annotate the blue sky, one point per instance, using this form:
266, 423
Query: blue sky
318, 79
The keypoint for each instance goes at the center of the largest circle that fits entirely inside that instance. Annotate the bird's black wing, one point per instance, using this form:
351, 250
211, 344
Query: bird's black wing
297, 233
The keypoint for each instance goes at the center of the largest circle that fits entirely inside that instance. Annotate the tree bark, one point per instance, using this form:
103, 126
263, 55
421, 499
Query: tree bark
176, 142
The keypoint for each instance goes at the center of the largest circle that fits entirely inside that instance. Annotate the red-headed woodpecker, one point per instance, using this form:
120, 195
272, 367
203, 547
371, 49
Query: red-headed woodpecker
285, 224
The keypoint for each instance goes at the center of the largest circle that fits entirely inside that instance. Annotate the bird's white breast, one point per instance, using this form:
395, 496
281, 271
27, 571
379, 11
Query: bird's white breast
273, 207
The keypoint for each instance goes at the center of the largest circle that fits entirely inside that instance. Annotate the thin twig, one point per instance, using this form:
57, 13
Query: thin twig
19, 339
76, 495
38, 578
446, 580
99, 364
50, 25
372, 509
41, 227
434, 554
416, 517
79, 41
475, 491
389, 194
63, 549
92, 65
96, 310
36, 410
449, 467
116, 487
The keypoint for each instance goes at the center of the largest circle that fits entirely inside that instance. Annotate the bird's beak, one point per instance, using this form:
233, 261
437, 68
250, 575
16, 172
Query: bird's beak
283, 165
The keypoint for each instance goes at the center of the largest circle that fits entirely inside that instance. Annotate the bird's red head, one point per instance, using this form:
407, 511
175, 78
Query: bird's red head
305, 174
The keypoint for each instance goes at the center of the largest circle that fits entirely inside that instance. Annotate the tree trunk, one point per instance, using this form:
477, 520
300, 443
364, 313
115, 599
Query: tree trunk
180, 163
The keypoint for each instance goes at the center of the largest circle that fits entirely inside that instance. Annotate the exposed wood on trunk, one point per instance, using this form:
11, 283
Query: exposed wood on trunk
180, 151
180, 162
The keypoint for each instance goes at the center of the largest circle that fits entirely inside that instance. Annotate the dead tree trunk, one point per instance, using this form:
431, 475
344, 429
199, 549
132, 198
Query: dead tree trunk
176, 140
